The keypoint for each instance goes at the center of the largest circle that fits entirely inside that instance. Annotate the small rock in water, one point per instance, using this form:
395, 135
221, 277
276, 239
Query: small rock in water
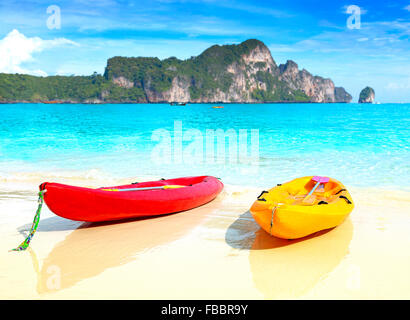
367, 95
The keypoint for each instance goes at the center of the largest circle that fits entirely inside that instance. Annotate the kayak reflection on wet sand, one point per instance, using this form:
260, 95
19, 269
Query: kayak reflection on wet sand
286, 269
95, 247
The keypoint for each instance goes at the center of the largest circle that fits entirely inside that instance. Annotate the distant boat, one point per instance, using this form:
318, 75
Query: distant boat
178, 103
217, 107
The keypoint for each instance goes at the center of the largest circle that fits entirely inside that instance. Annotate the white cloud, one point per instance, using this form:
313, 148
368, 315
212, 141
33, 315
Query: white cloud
405, 84
17, 49
407, 8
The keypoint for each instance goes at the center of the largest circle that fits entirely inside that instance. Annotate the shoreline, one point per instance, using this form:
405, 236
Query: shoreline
169, 102
75, 260
95, 178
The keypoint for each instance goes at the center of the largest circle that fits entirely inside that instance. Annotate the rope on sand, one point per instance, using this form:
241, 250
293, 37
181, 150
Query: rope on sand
24, 245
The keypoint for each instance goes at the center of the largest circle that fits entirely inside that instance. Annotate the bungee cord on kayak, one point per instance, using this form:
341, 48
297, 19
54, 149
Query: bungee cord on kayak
302, 206
151, 198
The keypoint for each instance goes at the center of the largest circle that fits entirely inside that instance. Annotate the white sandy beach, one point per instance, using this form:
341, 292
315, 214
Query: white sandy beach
216, 251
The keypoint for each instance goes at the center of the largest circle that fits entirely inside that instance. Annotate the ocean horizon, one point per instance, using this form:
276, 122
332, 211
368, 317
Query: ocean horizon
364, 145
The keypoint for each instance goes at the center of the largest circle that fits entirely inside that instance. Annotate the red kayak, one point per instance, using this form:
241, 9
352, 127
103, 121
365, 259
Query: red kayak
136, 200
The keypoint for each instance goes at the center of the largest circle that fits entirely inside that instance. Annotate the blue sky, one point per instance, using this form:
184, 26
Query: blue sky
314, 34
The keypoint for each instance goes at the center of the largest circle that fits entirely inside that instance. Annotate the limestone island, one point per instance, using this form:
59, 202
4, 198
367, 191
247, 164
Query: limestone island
367, 95
237, 73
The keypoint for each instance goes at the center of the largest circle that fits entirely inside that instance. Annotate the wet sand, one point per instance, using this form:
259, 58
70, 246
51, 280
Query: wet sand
216, 251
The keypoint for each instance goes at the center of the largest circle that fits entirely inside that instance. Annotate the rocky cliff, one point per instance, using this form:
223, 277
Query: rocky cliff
243, 73
318, 89
367, 95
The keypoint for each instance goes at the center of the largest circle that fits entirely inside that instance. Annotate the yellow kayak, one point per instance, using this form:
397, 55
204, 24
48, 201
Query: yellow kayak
301, 207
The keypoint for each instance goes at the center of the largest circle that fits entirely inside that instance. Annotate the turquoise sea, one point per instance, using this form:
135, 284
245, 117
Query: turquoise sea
358, 144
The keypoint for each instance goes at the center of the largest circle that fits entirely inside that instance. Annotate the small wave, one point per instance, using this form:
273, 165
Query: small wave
93, 178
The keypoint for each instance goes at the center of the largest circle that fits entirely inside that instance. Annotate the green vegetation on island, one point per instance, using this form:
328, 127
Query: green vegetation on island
230, 73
